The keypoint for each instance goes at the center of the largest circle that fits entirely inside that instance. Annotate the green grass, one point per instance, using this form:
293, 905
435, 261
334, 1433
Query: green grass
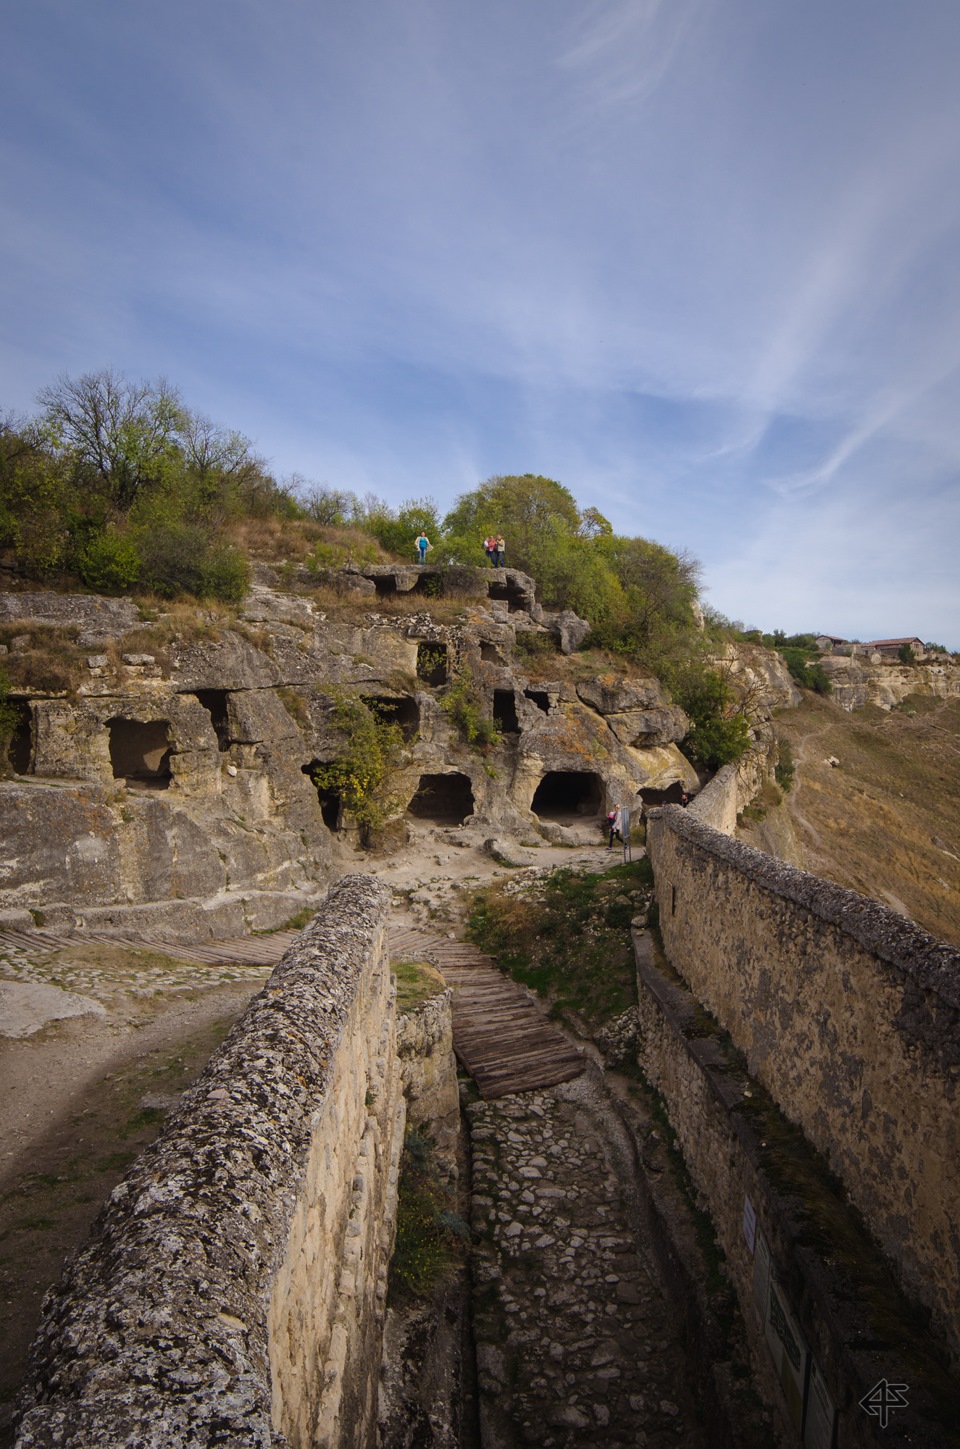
417, 981
571, 943
431, 1236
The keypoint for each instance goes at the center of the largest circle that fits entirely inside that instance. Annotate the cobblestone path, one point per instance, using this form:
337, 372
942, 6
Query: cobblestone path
574, 1341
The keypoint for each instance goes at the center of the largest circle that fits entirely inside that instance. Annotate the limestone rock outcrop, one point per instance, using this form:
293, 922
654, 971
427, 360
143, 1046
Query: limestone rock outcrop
171, 790
858, 681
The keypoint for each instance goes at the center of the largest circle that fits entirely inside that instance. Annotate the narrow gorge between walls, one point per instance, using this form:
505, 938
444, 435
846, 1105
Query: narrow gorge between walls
721, 1217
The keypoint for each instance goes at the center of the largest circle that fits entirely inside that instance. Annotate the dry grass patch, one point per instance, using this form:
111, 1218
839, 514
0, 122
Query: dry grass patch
886, 822
47, 661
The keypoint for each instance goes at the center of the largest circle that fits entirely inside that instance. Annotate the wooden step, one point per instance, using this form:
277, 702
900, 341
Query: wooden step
503, 1040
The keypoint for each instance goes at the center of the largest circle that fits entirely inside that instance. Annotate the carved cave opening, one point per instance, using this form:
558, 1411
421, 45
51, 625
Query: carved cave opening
489, 653
385, 584
20, 748
430, 584
404, 712
331, 805
505, 711
442, 799
670, 796
140, 753
540, 698
433, 663
214, 702
567, 796
508, 593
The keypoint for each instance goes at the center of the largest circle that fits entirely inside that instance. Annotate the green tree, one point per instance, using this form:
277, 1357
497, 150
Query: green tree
396, 531
361, 772
719, 729
118, 433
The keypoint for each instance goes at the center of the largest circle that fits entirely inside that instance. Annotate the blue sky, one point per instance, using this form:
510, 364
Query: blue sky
697, 259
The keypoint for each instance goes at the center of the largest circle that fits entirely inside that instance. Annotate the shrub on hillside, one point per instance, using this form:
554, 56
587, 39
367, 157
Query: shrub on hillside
720, 731
109, 563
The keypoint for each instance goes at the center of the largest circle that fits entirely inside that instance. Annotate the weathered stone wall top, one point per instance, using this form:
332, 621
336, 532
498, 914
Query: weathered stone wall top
157, 1334
932, 964
849, 1015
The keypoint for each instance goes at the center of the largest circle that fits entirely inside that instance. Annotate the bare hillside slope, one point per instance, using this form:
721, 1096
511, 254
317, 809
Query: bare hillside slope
886, 820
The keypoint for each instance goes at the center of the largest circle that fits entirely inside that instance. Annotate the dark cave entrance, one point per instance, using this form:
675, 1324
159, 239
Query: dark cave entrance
507, 593
505, 711
568, 796
538, 697
385, 584
670, 796
442, 799
140, 753
433, 664
429, 584
489, 653
20, 748
331, 805
404, 712
214, 702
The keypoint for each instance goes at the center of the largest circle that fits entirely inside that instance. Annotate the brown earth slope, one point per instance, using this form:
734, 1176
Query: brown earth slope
886, 820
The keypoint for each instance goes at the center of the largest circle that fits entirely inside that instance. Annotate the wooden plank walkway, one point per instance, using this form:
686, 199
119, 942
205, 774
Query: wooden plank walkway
237, 951
502, 1039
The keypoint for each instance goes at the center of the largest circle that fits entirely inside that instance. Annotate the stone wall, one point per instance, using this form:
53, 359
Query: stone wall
746, 1168
849, 1015
429, 1072
234, 1289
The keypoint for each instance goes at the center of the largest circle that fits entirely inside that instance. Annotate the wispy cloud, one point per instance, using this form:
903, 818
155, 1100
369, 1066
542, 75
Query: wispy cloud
697, 260
621, 50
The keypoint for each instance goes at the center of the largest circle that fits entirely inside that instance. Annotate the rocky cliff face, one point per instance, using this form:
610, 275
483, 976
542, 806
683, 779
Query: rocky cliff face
170, 790
857, 681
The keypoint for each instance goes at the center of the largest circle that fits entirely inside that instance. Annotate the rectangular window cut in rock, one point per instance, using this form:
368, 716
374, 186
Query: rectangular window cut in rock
505, 711
331, 805
140, 752
396, 709
539, 697
20, 747
432, 663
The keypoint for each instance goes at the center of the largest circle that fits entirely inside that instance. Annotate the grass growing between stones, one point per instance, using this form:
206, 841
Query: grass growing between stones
567, 936
431, 1235
417, 981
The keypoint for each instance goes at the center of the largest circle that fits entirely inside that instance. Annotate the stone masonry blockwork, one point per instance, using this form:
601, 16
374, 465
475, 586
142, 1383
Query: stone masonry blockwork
234, 1286
849, 1015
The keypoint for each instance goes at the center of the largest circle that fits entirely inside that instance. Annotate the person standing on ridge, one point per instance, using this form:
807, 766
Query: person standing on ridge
499, 551
422, 544
489, 548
